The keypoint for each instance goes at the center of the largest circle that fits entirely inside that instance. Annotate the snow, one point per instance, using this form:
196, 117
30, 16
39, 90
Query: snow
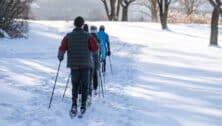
4, 33
160, 78
35, 5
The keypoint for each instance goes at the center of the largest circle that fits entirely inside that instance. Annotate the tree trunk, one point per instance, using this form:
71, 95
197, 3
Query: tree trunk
163, 21
189, 12
107, 10
112, 5
125, 13
154, 11
109, 17
214, 26
163, 12
165, 15
118, 9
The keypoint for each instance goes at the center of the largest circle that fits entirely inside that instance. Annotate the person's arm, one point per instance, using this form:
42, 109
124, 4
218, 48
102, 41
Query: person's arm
93, 44
63, 48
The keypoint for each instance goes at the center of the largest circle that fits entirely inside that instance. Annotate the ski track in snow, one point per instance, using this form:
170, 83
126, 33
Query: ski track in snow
156, 82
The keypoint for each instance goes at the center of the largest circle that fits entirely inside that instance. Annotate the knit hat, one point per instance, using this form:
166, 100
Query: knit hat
79, 21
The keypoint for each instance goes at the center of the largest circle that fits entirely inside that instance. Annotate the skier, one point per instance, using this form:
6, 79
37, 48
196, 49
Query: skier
93, 56
104, 46
78, 45
96, 63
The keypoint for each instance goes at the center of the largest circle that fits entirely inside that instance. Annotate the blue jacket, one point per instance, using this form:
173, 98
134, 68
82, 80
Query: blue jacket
104, 44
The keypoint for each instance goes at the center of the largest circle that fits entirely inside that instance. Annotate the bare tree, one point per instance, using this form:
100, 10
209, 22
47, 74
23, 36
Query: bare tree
163, 12
152, 6
125, 8
11, 10
118, 8
190, 6
154, 10
214, 21
27, 8
112, 8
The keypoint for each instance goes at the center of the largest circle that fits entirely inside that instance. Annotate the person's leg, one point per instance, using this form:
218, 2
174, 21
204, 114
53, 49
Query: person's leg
75, 74
80, 89
84, 82
95, 79
105, 65
80, 92
90, 82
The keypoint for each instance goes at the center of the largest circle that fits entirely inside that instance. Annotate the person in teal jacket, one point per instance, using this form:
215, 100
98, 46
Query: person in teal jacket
104, 45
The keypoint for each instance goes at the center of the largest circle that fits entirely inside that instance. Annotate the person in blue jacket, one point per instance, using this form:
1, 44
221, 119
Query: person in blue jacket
104, 45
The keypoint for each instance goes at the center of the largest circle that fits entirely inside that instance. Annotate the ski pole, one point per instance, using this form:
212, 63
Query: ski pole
101, 83
103, 71
104, 79
54, 85
67, 83
102, 90
110, 63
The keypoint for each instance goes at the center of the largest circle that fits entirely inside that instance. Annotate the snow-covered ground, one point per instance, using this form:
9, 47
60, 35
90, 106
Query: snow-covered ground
160, 78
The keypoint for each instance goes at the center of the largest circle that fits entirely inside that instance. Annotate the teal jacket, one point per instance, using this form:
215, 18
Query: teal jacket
104, 44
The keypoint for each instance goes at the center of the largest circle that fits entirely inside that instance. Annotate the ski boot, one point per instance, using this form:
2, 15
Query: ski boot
73, 111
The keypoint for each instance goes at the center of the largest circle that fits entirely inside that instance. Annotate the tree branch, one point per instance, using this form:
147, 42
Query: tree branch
212, 2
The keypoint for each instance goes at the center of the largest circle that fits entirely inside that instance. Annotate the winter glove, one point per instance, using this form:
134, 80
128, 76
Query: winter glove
60, 58
60, 55
108, 53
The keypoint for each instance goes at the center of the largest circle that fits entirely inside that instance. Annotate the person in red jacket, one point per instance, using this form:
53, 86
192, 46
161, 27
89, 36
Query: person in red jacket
78, 44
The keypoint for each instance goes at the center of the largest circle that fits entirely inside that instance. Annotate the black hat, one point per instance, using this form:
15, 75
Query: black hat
102, 28
79, 21
93, 29
86, 27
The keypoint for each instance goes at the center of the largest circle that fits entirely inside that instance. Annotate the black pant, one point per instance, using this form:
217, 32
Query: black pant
95, 79
80, 78
90, 82
104, 65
